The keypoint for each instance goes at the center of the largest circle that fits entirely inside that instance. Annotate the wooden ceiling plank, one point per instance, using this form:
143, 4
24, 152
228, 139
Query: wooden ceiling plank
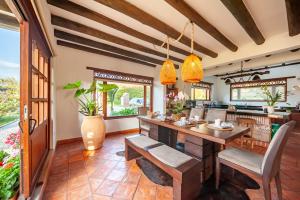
77, 39
9, 22
147, 19
185, 9
92, 15
4, 7
293, 16
242, 15
100, 52
65, 23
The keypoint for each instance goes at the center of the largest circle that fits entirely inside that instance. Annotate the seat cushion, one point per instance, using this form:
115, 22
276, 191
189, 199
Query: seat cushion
243, 158
169, 156
142, 141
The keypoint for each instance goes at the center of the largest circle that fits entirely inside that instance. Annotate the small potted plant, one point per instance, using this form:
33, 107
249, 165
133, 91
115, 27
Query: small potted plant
271, 99
92, 127
175, 105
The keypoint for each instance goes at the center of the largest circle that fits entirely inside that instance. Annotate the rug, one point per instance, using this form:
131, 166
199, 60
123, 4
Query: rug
231, 188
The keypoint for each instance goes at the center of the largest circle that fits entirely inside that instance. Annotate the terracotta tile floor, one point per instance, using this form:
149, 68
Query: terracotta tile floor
102, 175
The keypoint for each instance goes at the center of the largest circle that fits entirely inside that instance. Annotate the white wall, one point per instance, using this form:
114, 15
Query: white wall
221, 91
70, 66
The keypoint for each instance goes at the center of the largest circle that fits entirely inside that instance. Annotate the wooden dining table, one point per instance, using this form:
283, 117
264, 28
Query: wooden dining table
201, 141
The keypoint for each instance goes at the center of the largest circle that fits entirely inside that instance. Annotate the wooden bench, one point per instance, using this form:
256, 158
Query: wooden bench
184, 169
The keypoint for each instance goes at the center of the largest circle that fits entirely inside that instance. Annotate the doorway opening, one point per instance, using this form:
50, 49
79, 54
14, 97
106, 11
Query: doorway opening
9, 103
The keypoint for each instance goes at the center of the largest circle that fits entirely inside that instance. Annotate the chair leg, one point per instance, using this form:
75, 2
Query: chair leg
267, 189
278, 186
218, 173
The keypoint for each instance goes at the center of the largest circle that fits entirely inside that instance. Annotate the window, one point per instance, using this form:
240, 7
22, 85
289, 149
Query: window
252, 90
133, 92
201, 91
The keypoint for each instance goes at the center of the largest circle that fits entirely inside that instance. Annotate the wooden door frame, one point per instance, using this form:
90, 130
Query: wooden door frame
30, 27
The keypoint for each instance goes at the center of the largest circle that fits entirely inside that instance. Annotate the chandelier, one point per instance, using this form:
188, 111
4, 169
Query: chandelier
240, 76
192, 69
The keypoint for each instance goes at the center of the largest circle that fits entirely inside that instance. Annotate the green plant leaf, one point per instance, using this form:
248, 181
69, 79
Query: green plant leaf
106, 87
79, 92
71, 86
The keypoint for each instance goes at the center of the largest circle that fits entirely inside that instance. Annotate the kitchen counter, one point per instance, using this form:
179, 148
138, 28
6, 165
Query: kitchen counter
276, 115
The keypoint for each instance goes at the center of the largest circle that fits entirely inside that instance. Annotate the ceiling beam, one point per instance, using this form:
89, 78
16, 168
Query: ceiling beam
9, 22
147, 19
100, 52
95, 16
65, 23
99, 45
293, 16
4, 7
185, 9
242, 15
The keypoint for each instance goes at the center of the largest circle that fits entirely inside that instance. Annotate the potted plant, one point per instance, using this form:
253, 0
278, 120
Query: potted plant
175, 105
271, 99
92, 127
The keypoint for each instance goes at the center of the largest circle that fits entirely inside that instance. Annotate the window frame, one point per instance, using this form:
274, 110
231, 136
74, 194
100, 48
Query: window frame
202, 85
121, 77
260, 83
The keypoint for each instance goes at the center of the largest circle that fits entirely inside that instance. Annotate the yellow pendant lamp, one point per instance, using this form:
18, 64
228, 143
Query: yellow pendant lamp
192, 69
168, 72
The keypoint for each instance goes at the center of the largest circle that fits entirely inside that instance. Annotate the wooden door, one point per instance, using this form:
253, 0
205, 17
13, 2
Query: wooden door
34, 102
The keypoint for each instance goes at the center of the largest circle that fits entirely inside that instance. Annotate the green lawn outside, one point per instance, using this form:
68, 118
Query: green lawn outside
7, 119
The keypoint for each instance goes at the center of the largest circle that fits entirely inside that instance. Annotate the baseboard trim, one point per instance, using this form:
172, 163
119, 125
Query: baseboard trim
109, 134
134, 130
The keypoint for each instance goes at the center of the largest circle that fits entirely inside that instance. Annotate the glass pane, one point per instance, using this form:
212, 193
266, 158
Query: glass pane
45, 111
35, 110
255, 93
41, 112
35, 55
45, 89
148, 97
200, 94
46, 68
234, 94
41, 64
35, 85
41, 88
125, 100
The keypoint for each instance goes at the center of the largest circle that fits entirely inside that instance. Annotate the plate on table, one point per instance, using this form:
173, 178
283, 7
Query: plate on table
220, 128
186, 125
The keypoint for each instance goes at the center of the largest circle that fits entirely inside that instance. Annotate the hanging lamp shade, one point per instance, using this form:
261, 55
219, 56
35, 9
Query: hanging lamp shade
192, 69
168, 73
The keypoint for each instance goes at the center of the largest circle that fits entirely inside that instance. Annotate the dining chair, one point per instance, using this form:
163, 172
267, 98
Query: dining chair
248, 137
213, 114
197, 112
265, 167
143, 126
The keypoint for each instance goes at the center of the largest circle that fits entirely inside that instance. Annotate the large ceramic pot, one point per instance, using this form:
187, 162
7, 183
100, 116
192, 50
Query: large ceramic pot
270, 109
93, 132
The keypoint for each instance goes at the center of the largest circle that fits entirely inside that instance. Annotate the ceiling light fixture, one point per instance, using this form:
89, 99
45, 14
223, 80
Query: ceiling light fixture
168, 72
192, 69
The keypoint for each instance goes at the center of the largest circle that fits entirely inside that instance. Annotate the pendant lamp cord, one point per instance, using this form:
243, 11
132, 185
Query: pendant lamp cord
168, 50
192, 38
173, 40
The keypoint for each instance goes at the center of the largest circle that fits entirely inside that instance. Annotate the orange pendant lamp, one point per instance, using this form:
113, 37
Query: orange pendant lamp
192, 69
168, 72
